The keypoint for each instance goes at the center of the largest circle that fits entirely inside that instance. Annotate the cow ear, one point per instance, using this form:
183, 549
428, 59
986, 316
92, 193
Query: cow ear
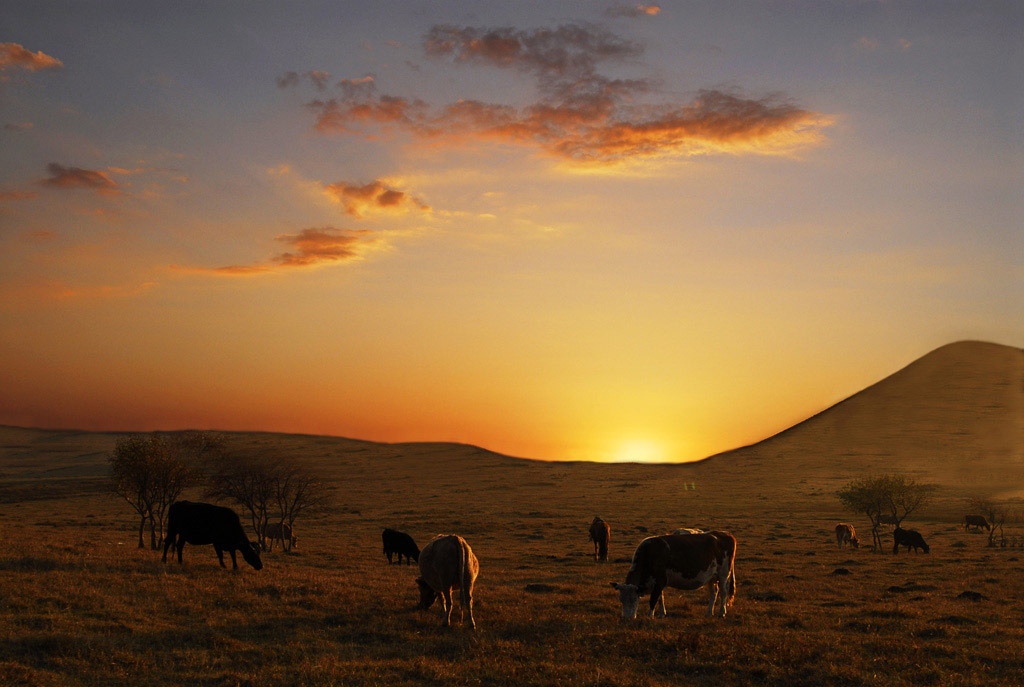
615, 585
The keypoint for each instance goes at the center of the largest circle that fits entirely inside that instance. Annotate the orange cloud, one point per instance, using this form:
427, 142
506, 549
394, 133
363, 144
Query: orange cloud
373, 196
14, 55
75, 177
582, 116
18, 126
308, 248
633, 10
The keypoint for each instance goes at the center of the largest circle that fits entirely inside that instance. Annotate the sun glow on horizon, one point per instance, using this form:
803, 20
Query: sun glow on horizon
640, 451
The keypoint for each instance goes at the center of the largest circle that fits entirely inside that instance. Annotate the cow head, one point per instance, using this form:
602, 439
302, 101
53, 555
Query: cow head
252, 556
427, 593
925, 547
629, 595
855, 542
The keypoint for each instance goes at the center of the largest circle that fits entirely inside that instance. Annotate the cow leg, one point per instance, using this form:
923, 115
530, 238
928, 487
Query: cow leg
661, 612
467, 605
181, 547
234, 561
389, 556
220, 555
167, 545
712, 598
656, 591
446, 600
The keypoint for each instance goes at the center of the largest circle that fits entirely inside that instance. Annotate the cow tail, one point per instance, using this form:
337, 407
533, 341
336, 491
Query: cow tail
731, 581
464, 592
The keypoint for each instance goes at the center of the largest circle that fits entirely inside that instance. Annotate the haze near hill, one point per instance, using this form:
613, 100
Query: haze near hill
954, 417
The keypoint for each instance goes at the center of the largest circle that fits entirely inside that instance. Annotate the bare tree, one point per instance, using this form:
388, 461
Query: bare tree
905, 495
296, 490
150, 473
130, 477
896, 496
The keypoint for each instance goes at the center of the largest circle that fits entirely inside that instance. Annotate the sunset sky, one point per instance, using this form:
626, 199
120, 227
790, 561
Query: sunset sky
573, 230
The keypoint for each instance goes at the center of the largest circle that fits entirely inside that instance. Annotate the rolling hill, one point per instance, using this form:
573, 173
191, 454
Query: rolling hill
954, 417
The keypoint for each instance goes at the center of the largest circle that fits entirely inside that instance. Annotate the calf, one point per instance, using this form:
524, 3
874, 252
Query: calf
909, 539
845, 534
447, 562
280, 531
976, 521
681, 561
399, 543
203, 523
600, 534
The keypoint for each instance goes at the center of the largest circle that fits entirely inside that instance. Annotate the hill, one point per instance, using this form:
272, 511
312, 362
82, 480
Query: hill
954, 417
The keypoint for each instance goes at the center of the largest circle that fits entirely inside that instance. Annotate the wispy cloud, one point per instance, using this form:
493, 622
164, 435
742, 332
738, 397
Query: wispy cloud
7, 196
13, 55
582, 115
18, 126
308, 248
358, 199
640, 10
317, 78
61, 177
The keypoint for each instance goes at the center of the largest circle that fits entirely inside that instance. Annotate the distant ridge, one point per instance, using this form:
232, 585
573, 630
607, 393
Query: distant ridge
954, 416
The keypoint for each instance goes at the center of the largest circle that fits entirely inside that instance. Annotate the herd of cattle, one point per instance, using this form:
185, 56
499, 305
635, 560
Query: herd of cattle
685, 559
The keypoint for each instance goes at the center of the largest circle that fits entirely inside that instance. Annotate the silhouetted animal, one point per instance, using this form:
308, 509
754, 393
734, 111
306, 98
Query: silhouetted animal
909, 539
681, 561
203, 523
600, 534
400, 543
447, 562
976, 521
845, 534
280, 531
688, 530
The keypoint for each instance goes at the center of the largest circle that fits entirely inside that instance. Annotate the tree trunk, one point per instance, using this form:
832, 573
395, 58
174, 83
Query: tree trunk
152, 533
142, 528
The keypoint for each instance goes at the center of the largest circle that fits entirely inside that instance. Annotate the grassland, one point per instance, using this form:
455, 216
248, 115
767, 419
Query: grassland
80, 605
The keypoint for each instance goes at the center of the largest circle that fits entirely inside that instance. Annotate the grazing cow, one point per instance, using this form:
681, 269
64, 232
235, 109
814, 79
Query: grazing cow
977, 522
203, 523
399, 543
600, 534
280, 531
845, 534
688, 530
681, 561
447, 562
909, 539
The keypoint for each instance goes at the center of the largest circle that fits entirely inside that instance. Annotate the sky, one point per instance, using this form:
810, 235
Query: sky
560, 230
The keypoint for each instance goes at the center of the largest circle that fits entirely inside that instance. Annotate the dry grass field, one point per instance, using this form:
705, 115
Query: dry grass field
80, 605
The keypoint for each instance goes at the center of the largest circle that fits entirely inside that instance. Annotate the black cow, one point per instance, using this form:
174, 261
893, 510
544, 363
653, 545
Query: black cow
977, 522
909, 539
203, 523
400, 543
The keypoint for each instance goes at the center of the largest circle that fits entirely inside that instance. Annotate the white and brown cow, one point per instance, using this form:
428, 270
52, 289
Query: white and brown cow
688, 530
680, 561
446, 562
845, 534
